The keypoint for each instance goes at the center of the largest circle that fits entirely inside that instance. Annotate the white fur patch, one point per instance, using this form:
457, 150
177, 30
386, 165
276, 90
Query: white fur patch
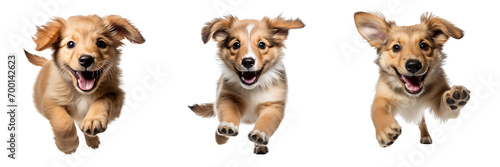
272, 75
411, 112
83, 104
254, 98
250, 53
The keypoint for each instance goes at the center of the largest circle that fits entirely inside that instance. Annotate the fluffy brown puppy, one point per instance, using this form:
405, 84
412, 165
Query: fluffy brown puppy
81, 83
411, 77
253, 84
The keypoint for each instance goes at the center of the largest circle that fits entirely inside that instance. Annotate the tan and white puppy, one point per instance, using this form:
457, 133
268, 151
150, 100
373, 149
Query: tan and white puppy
411, 77
253, 84
81, 83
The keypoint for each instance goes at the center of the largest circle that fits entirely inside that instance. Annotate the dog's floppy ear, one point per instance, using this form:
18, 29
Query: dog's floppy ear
373, 27
280, 27
121, 28
47, 35
441, 29
217, 29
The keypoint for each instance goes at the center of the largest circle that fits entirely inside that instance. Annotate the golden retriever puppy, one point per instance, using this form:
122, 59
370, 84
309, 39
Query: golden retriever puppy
411, 77
81, 83
253, 84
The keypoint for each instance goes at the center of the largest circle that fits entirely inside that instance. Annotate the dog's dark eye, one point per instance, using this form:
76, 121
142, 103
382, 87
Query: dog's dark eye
236, 45
396, 48
71, 44
424, 46
262, 45
101, 44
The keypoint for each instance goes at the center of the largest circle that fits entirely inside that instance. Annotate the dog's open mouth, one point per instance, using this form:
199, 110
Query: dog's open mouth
249, 77
413, 84
86, 80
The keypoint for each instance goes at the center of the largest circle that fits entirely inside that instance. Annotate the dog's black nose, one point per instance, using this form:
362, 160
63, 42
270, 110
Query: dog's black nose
86, 60
248, 62
413, 66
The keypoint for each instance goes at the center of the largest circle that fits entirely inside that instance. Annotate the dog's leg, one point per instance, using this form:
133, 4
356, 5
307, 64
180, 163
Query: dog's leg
451, 102
63, 126
96, 120
270, 116
229, 117
260, 149
117, 98
387, 128
425, 138
92, 141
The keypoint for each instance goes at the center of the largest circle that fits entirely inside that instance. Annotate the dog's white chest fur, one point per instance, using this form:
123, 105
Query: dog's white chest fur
253, 98
82, 104
411, 111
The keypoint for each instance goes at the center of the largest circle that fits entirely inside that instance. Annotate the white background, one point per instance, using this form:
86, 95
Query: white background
327, 120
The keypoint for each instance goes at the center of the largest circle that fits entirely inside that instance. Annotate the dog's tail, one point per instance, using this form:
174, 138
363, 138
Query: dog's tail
205, 110
34, 59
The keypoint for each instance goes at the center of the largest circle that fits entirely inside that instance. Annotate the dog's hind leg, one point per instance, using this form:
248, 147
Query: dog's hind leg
425, 138
260, 149
63, 126
92, 141
220, 139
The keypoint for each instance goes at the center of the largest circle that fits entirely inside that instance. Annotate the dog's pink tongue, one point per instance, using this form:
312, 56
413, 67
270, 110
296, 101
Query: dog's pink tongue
85, 83
412, 83
249, 81
249, 77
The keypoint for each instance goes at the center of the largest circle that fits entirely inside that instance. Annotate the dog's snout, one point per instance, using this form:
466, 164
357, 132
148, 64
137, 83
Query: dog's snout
248, 62
86, 60
413, 66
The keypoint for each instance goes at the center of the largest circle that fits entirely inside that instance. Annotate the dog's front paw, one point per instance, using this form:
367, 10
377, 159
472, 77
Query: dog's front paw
388, 133
93, 125
227, 129
456, 97
258, 137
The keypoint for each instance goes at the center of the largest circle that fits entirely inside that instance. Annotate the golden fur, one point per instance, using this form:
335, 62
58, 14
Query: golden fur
58, 94
261, 99
402, 92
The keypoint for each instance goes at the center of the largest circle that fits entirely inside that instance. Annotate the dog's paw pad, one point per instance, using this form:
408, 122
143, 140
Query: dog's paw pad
457, 97
261, 150
387, 136
93, 126
227, 129
258, 137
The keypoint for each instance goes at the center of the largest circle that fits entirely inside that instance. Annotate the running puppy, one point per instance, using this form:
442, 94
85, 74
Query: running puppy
411, 77
81, 83
253, 84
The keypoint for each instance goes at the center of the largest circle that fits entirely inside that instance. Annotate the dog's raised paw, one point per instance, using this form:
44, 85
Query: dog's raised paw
457, 97
258, 137
94, 125
227, 129
386, 136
